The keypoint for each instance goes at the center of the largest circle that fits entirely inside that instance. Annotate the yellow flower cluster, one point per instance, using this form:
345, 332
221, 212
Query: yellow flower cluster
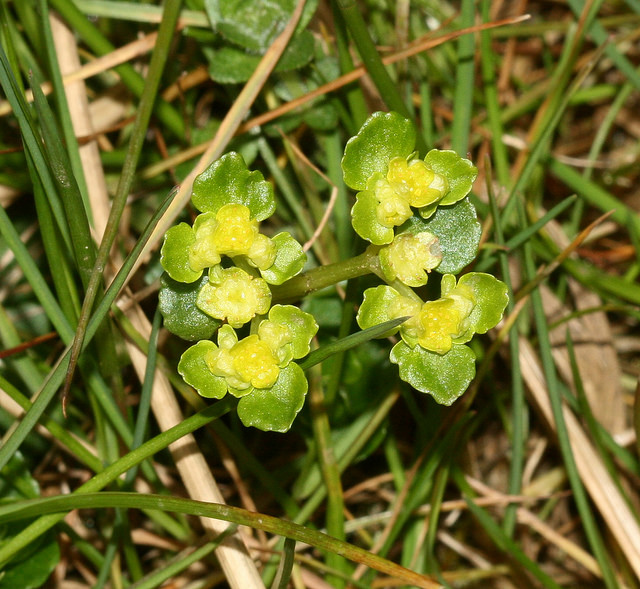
230, 232
234, 295
407, 184
409, 257
254, 361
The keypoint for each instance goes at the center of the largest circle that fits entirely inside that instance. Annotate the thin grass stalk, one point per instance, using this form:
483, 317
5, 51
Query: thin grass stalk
355, 99
171, 119
60, 98
332, 143
465, 83
56, 376
143, 115
63, 278
518, 405
113, 471
435, 503
330, 472
500, 158
372, 61
32, 141
144, 407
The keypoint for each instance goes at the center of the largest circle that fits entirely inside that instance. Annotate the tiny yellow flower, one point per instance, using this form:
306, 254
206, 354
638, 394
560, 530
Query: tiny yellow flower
203, 252
442, 320
393, 209
418, 184
277, 337
255, 363
233, 295
410, 257
248, 363
235, 231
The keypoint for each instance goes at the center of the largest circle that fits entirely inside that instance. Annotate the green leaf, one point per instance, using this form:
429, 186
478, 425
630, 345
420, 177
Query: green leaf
375, 306
177, 303
458, 231
274, 409
195, 371
445, 377
290, 259
382, 137
229, 181
31, 566
302, 326
254, 24
233, 65
491, 298
34, 564
174, 255
459, 172
365, 221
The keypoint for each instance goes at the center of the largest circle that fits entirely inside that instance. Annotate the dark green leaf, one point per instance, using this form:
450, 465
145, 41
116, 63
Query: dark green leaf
443, 376
177, 303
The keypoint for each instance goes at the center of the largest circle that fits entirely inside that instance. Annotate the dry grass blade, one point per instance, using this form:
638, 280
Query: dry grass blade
613, 508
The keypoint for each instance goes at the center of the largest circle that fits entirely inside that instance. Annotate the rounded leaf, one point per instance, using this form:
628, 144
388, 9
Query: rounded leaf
384, 303
290, 259
302, 326
254, 24
458, 231
229, 181
491, 298
275, 409
459, 172
443, 376
232, 65
382, 137
177, 304
195, 371
365, 222
174, 255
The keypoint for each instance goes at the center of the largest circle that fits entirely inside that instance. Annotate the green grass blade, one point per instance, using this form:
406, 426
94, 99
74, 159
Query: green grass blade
83, 247
91, 35
587, 518
351, 341
465, 83
56, 376
143, 115
55, 505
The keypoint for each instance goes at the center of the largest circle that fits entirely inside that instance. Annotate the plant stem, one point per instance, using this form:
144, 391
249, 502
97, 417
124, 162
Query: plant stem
323, 276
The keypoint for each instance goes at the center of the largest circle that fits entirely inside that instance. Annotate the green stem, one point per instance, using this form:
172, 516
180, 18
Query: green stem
323, 276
